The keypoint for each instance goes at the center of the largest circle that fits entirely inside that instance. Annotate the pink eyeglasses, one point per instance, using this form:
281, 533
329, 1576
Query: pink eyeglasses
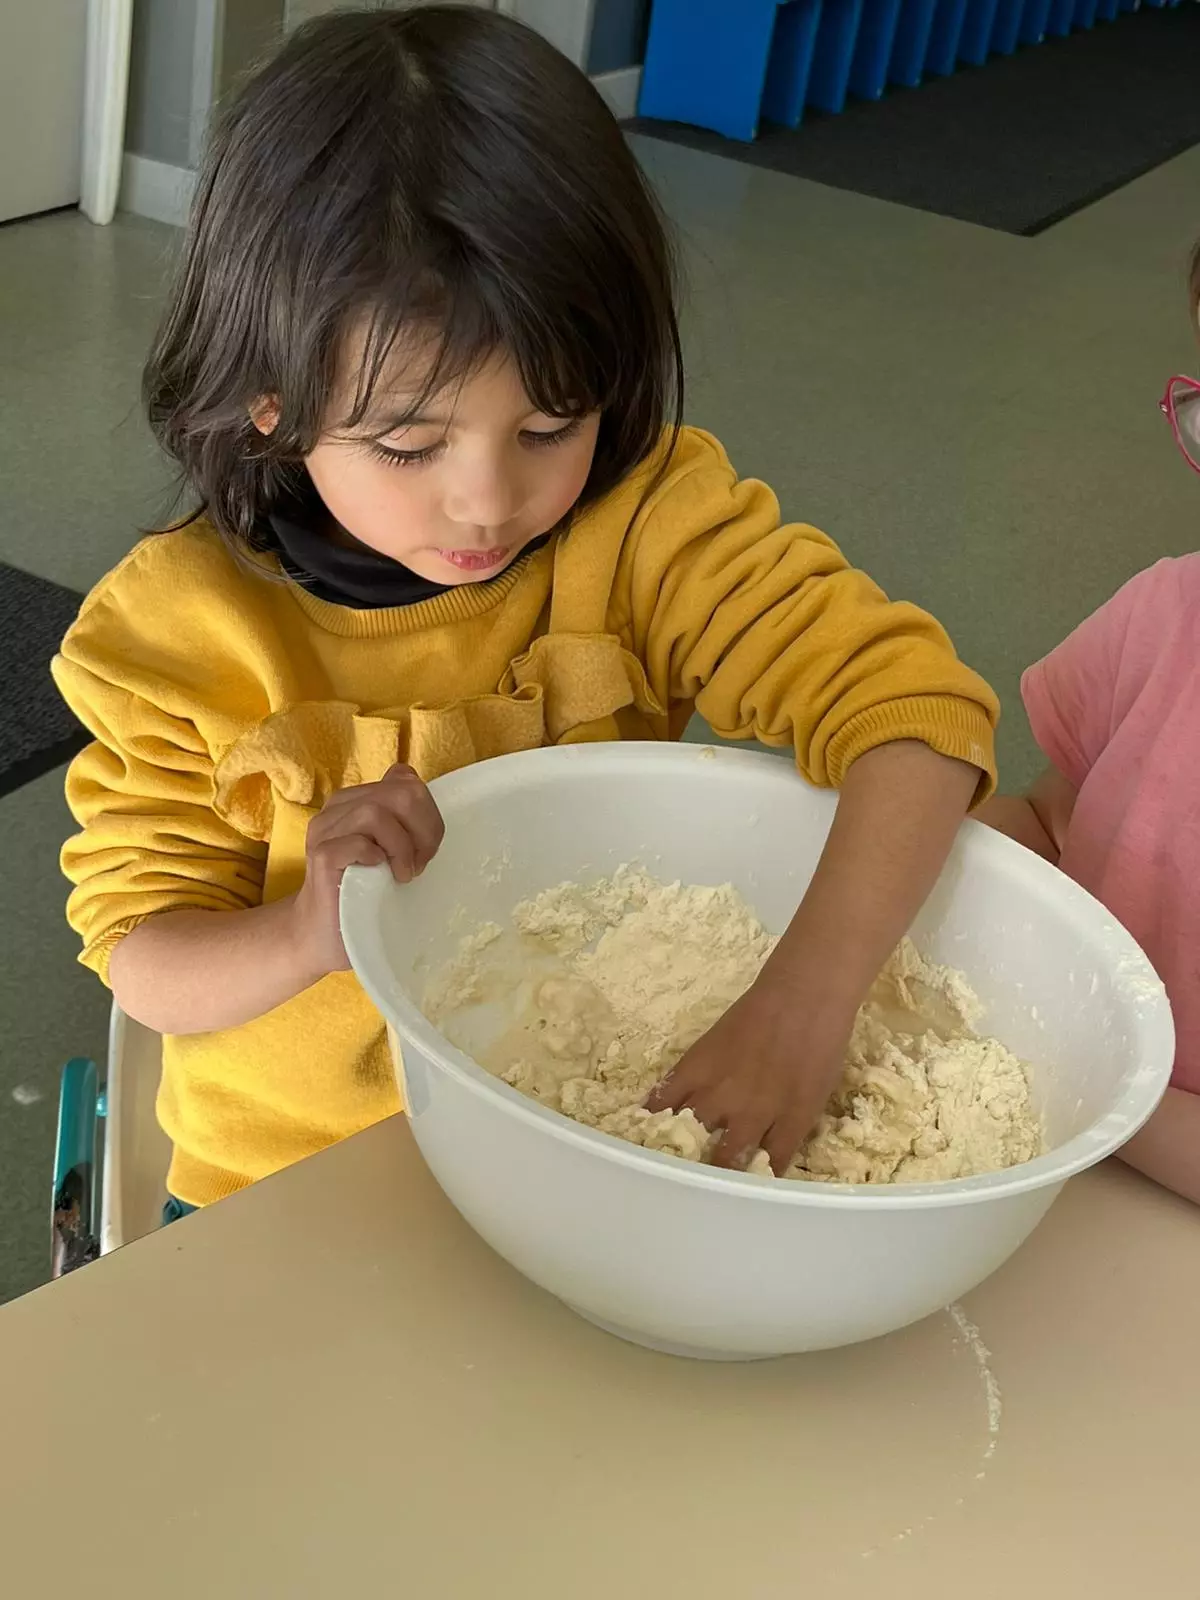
1181, 407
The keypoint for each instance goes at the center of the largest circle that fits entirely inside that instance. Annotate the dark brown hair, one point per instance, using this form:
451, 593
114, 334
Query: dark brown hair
443, 167
1194, 284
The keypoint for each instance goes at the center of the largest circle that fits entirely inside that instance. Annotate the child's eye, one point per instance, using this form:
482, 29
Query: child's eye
391, 457
535, 441
402, 458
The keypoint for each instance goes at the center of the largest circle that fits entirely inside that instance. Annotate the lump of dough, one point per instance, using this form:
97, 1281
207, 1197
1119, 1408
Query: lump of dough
641, 969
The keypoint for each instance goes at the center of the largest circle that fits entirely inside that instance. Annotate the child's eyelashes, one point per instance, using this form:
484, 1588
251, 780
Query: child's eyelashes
401, 458
530, 438
538, 441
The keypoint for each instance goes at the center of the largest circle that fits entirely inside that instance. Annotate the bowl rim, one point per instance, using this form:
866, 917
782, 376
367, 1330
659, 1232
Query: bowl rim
365, 888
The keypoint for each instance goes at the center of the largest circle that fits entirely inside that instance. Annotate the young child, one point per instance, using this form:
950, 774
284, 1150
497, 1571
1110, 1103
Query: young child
421, 370
1115, 710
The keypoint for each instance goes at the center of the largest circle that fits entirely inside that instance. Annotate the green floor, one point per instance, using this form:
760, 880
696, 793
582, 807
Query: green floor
974, 416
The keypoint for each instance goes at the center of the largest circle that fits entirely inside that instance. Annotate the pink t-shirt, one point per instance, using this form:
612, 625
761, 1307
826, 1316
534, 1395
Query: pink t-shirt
1116, 708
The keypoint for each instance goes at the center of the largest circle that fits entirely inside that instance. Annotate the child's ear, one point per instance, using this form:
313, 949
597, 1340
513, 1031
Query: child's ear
264, 414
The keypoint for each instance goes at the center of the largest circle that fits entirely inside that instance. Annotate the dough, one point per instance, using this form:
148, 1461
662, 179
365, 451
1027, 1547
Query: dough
607, 984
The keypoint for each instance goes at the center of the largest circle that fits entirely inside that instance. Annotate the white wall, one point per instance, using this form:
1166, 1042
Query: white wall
41, 104
158, 123
183, 54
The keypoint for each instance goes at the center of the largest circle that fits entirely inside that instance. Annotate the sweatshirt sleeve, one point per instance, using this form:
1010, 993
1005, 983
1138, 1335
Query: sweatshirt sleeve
767, 628
141, 792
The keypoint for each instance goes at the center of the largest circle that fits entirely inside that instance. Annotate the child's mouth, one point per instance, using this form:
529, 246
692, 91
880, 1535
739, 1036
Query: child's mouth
476, 560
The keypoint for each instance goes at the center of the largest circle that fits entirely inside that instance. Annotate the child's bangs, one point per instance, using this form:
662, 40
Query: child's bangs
427, 337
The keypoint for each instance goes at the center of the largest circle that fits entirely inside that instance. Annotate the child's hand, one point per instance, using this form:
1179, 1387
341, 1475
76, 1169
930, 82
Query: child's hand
762, 1075
395, 820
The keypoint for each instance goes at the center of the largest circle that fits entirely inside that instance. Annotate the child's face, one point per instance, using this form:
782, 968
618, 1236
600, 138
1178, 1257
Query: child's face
458, 494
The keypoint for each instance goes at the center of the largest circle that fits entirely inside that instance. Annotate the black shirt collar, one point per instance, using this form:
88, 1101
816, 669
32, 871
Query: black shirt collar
299, 532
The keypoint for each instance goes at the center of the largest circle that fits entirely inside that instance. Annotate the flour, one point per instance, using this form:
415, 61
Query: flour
608, 984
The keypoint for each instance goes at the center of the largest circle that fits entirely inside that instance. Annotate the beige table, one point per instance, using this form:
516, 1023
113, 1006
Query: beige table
329, 1387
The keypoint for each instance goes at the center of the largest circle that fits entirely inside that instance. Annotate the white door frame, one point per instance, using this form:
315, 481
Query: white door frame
106, 86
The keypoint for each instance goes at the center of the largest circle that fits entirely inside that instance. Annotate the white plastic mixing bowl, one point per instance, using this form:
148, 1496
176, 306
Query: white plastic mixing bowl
682, 1257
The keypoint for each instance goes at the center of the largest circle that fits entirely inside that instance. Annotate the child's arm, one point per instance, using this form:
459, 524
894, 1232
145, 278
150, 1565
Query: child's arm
197, 971
1168, 1147
900, 808
168, 893
1039, 820
768, 631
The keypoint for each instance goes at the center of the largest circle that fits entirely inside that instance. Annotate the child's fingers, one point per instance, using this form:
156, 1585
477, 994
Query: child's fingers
394, 779
332, 856
741, 1124
418, 810
676, 1090
785, 1138
737, 1144
401, 794
371, 819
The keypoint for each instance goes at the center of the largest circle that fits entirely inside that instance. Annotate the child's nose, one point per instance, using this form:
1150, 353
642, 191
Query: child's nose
485, 500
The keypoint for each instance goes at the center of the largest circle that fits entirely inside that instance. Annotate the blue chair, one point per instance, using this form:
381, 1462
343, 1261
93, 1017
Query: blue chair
111, 1156
74, 1205
721, 64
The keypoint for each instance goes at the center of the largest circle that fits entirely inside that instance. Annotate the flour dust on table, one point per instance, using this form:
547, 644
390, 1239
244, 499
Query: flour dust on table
603, 986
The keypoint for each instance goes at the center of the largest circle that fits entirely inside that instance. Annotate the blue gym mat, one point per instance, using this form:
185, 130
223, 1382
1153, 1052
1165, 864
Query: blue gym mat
1015, 144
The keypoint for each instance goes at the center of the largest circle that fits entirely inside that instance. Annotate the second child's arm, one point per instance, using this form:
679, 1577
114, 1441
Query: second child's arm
1039, 820
198, 971
1168, 1148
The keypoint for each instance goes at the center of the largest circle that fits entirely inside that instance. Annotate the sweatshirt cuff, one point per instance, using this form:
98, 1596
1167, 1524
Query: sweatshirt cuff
198, 1183
952, 726
98, 953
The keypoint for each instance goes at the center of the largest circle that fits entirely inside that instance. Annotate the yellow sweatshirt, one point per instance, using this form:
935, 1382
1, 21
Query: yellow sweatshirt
226, 707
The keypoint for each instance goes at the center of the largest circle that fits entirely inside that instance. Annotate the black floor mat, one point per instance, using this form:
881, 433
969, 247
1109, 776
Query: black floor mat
1017, 144
37, 732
